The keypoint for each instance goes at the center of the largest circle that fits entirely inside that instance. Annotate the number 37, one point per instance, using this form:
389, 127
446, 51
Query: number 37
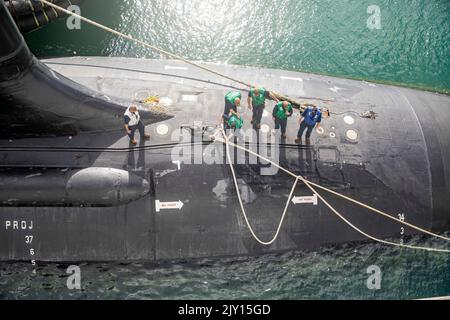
28, 239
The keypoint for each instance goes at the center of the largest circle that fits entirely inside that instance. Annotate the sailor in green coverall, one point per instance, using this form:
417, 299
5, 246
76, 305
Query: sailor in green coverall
280, 114
231, 117
257, 102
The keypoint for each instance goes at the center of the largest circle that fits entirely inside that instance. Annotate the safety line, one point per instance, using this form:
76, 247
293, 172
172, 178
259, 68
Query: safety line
266, 243
226, 141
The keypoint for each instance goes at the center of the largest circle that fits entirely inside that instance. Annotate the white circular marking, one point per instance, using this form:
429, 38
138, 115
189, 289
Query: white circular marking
332, 135
265, 128
266, 113
141, 95
349, 120
332, 128
162, 129
320, 130
352, 134
165, 102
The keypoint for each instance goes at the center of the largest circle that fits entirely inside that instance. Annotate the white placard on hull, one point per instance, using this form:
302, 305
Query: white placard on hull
168, 205
309, 199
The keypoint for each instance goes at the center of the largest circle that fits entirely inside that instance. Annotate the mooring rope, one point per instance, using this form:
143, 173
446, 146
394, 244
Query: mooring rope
226, 141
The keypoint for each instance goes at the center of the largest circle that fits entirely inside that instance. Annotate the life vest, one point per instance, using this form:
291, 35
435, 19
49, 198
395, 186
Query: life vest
311, 119
281, 112
232, 96
258, 100
134, 117
235, 122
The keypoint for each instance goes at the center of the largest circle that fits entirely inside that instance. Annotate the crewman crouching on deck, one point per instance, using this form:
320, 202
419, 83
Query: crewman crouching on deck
133, 121
232, 102
280, 114
309, 119
257, 102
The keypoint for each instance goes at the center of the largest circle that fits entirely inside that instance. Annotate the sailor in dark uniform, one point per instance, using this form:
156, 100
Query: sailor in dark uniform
310, 118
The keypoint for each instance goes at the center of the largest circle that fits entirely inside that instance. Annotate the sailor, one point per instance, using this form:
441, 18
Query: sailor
280, 114
133, 121
310, 118
235, 122
232, 102
257, 102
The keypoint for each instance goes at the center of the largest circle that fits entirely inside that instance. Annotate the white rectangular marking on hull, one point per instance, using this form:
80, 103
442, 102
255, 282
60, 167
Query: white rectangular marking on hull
291, 78
308, 199
168, 205
175, 68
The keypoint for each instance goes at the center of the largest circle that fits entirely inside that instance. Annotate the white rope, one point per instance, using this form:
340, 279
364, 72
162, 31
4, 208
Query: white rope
379, 212
366, 234
309, 185
266, 243
341, 195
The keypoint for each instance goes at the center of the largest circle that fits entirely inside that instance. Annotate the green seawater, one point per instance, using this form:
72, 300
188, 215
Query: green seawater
412, 48
339, 272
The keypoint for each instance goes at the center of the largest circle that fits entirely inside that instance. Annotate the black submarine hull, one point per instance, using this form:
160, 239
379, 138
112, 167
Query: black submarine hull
32, 15
181, 202
37, 101
397, 163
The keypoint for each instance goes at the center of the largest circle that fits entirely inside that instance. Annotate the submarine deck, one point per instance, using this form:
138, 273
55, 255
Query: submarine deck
397, 162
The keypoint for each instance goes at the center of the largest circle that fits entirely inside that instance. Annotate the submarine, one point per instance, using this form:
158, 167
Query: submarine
73, 188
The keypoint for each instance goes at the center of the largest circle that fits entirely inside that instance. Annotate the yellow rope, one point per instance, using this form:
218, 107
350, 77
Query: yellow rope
309, 184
